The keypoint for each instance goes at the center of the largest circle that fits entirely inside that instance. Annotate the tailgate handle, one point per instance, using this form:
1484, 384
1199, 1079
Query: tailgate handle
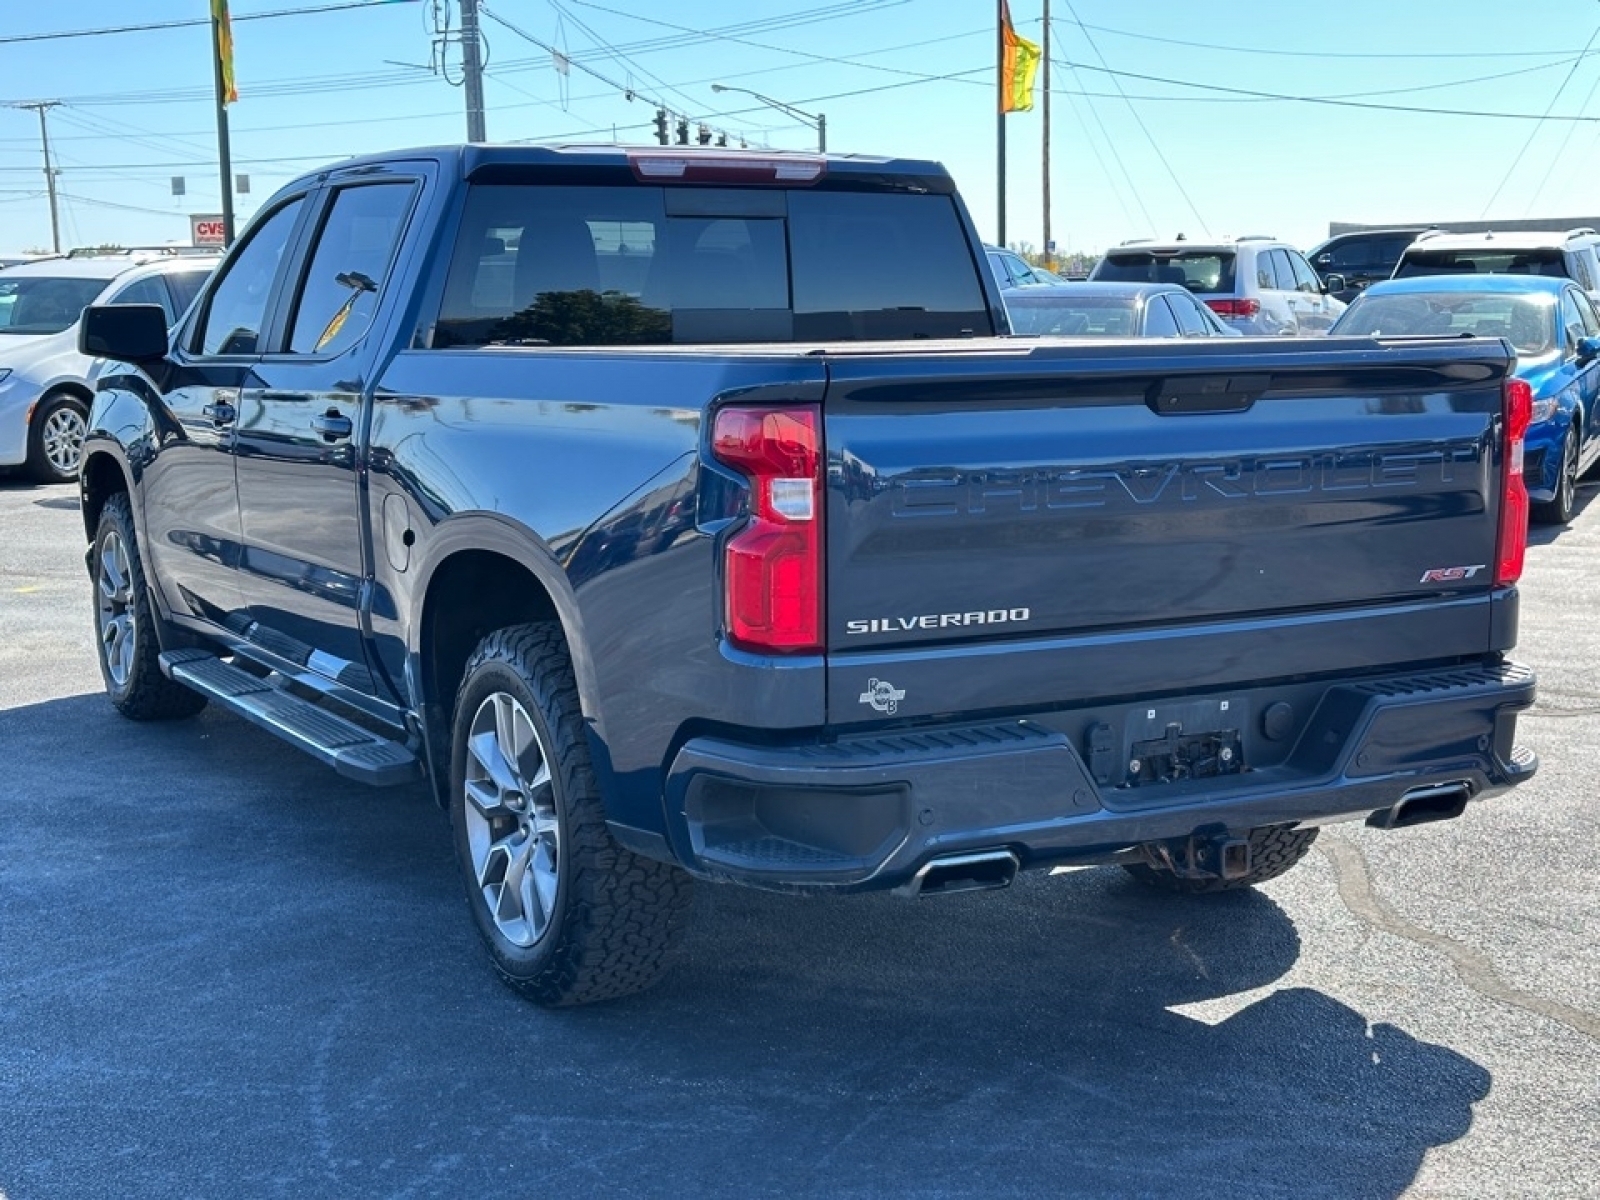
1184, 394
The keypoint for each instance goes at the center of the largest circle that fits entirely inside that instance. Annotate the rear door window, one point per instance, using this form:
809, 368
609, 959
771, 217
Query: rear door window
145, 291
1158, 321
339, 294
1187, 312
185, 286
1278, 270
1305, 279
1580, 261
584, 266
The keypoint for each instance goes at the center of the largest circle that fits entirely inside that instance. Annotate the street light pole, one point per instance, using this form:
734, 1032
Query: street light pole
817, 121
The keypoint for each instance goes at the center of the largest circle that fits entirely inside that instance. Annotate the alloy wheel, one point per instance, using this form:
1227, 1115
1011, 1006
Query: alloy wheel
513, 830
62, 439
114, 603
1567, 484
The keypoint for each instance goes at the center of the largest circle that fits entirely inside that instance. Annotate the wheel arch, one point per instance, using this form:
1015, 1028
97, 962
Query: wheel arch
102, 476
484, 574
75, 388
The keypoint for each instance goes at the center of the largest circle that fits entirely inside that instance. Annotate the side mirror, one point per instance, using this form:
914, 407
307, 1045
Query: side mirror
1322, 260
1334, 283
1588, 349
129, 332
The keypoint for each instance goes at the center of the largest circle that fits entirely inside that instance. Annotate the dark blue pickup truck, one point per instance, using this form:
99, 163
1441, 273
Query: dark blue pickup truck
689, 514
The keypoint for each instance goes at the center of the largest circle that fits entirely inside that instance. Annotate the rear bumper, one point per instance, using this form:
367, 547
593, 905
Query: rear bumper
867, 812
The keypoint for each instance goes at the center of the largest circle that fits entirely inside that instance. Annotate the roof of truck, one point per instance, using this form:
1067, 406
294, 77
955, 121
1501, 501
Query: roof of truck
477, 160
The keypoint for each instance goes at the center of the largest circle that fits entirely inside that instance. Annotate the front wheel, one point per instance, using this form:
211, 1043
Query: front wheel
569, 916
129, 650
1273, 851
55, 439
1560, 509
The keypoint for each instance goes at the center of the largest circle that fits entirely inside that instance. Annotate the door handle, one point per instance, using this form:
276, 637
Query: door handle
333, 425
220, 414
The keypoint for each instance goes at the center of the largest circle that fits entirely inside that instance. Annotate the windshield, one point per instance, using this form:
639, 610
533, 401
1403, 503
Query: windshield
1527, 322
41, 304
1203, 271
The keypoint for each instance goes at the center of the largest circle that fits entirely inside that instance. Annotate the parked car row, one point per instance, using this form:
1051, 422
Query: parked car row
1254, 286
44, 380
1537, 291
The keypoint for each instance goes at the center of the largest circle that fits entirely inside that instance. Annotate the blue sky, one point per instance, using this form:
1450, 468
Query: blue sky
1146, 138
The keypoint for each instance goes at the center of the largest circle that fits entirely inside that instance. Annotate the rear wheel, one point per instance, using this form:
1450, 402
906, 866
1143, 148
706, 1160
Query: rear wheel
1559, 511
1273, 851
55, 439
569, 917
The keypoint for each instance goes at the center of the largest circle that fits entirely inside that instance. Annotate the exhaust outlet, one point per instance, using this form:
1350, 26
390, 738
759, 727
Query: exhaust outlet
1438, 802
983, 871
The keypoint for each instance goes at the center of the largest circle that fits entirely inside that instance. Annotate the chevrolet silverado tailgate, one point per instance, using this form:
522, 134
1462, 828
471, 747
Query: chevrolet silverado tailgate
1005, 494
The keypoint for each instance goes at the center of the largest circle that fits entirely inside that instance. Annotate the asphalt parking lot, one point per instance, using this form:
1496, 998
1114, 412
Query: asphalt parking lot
226, 972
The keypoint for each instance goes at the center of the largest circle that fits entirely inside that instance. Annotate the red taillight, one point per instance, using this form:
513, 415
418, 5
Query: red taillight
1513, 490
1226, 307
773, 566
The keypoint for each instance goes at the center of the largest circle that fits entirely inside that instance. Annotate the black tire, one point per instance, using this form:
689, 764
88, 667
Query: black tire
584, 919
1560, 510
55, 438
1273, 851
128, 647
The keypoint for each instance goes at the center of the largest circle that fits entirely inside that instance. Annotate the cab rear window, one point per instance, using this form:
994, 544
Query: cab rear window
585, 266
1204, 272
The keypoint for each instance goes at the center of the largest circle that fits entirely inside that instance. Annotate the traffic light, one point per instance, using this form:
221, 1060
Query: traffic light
661, 126
703, 135
683, 131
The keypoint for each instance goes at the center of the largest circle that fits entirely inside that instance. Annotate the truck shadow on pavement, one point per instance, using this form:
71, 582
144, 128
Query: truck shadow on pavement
225, 971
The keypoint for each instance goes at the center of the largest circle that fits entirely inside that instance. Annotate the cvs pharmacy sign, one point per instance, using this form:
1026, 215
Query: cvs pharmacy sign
207, 229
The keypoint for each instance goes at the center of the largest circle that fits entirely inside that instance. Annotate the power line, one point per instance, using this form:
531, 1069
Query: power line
1265, 51
1145, 129
187, 23
1534, 132
1326, 100
620, 58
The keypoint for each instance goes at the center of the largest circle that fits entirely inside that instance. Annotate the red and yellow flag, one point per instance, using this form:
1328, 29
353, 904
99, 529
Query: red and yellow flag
1017, 66
219, 14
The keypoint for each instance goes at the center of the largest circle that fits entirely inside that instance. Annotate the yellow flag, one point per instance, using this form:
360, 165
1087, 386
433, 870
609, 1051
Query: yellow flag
1017, 66
219, 14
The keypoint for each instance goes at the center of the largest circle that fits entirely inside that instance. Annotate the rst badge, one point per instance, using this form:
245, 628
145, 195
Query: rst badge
1450, 574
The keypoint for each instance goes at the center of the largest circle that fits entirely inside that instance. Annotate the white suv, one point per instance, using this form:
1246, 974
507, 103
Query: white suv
44, 389
1259, 286
1566, 254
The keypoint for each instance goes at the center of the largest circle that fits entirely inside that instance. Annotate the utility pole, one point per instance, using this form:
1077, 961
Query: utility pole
41, 107
1049, 252
224, 151
472, 68
1001, 17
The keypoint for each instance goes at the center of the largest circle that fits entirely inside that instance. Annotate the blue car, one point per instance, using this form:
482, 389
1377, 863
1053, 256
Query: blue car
1555, 330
